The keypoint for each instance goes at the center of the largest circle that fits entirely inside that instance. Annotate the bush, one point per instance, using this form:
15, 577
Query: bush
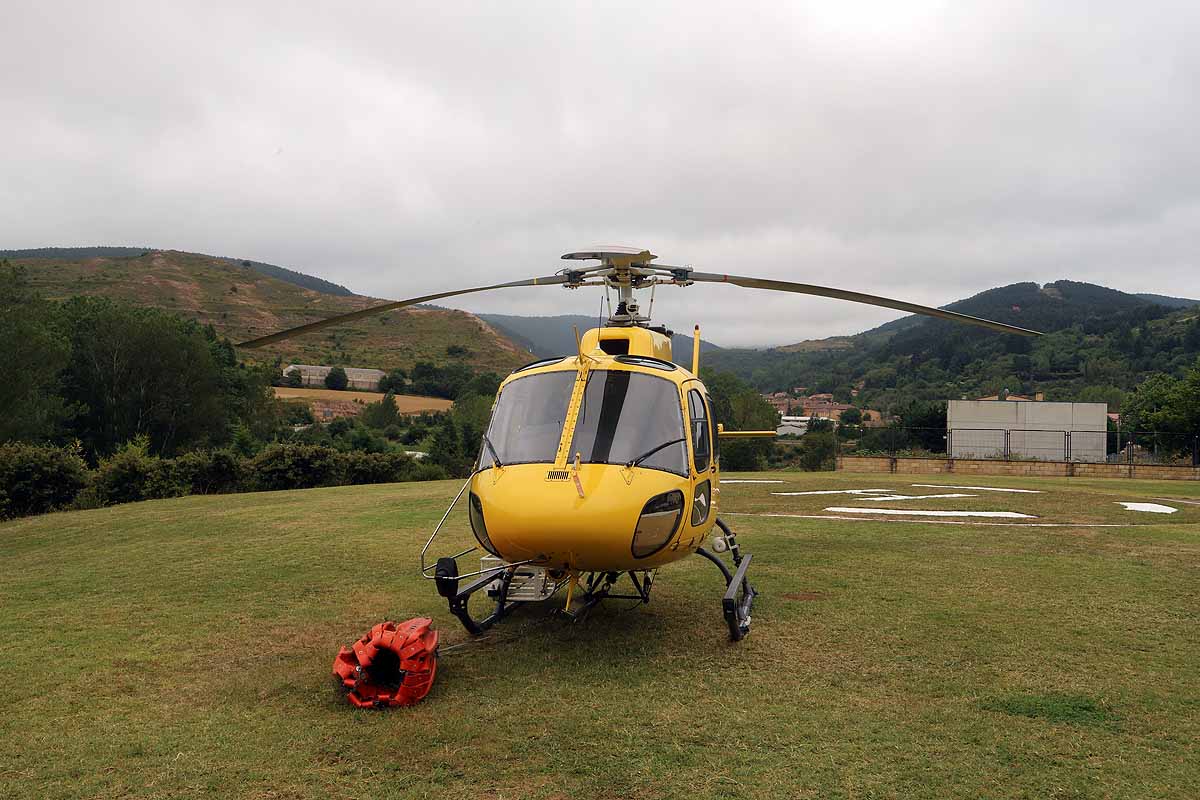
376, 467
133, 474
297, 413
210, 471
422, 471
35, 479
296, 466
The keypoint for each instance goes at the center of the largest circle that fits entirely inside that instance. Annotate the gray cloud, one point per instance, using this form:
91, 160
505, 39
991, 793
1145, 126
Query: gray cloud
922, 150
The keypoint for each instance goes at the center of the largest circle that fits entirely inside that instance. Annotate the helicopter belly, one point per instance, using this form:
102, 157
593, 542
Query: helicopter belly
585, 525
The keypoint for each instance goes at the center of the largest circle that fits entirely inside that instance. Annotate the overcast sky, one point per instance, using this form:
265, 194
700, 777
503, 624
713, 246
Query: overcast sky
921, 150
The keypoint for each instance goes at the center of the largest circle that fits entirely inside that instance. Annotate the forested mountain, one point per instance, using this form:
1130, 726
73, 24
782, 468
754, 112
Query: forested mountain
554, 336
1169, 302
1099, 344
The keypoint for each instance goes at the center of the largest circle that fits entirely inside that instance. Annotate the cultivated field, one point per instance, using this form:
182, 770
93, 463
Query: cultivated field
183, 647
407, 403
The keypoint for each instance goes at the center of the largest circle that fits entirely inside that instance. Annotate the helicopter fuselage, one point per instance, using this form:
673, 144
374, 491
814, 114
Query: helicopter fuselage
602, 461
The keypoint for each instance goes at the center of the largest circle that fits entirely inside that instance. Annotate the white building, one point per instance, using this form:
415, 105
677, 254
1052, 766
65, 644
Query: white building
1023, 429
797, 426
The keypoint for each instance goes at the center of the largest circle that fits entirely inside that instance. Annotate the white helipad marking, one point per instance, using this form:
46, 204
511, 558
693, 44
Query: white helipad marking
946, 521
977, 488
1153, 508
832, 491
745, 480
913, 512
913, 496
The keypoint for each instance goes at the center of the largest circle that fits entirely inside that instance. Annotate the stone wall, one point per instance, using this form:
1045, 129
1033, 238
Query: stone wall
975, 466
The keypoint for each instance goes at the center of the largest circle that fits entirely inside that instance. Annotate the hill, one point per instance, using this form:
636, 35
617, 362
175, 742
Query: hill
1100, 344
554, 336
241, 302
1169, 302
270, 270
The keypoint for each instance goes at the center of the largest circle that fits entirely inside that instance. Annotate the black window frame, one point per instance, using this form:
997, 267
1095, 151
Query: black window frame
710, 456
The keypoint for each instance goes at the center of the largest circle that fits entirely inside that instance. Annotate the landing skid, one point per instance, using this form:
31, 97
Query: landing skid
594, 588
739, 594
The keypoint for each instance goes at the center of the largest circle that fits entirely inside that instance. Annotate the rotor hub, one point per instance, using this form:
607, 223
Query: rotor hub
624, 269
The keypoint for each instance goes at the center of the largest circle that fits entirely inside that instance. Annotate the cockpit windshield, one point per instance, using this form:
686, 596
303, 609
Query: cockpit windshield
528, 420
631, 417
624, 417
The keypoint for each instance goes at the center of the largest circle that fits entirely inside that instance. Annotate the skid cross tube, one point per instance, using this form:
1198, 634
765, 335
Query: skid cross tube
458, 603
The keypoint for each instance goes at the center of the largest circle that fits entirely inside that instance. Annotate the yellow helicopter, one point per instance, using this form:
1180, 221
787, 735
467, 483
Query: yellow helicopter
603, 463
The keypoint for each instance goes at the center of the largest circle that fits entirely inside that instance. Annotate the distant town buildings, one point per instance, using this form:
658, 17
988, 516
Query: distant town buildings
798, 406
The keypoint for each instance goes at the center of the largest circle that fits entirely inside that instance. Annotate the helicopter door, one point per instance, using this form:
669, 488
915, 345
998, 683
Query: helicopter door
700, 431
700, 428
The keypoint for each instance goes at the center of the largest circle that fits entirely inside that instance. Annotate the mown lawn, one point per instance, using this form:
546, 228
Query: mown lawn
183, 648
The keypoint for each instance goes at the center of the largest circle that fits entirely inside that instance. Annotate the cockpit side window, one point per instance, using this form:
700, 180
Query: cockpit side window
701, 438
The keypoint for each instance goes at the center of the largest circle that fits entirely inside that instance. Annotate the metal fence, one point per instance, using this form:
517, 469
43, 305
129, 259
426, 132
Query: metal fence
1113, 447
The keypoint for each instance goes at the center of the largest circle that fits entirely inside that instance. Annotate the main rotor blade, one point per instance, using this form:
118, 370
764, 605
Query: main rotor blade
856, 297
550, 280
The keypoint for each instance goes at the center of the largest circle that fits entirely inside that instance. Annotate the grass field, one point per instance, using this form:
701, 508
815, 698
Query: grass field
183, 648
407, 403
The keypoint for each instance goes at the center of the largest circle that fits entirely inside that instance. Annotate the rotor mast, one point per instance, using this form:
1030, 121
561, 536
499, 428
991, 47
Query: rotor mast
624, 269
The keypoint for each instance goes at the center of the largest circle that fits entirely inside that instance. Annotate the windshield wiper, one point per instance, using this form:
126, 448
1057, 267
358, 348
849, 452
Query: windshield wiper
634, 462
492, 447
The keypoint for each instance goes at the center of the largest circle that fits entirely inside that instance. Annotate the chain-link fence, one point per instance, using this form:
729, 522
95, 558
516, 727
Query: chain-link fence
1114, 447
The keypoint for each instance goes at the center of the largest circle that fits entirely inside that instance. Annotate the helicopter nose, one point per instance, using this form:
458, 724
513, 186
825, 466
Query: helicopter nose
589, 525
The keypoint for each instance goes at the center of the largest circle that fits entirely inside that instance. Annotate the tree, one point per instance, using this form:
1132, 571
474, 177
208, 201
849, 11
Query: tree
446, 449
819, 425
395, 381
817, 451
851, 416
34, 351
1165, 404
471, 414
336, 379
382, 414
739, 407
433, 381
293, 378
143, 372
